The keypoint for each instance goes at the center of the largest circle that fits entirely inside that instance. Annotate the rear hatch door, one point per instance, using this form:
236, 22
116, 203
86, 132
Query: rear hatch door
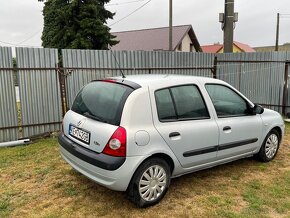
96, 113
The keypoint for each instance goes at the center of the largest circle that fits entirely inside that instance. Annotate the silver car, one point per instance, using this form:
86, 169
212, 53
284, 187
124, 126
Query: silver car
135, 134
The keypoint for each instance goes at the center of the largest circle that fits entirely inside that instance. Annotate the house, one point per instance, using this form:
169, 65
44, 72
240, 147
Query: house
219, 48
184, 39
285, 47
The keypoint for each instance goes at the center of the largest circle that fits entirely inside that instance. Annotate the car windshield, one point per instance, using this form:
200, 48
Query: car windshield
102, 101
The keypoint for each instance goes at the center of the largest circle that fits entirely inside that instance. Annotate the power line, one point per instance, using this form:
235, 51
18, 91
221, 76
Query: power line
30, 37
21, 43
16, 45
125, 3
137, 9
7, 43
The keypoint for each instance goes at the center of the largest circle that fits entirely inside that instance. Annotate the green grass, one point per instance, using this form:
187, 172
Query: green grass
36, 182
251, 195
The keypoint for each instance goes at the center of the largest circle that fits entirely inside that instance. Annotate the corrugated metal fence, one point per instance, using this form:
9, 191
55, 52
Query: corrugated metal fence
263, 77
8, 109
260, 76
83, 66
287, 69
39, 110
39, 90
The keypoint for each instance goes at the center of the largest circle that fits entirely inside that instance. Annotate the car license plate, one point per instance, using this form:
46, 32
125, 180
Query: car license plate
79, 134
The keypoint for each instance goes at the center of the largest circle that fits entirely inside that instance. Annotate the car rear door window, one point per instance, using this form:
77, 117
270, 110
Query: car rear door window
189, 103
180, 103
165, 107
226, 101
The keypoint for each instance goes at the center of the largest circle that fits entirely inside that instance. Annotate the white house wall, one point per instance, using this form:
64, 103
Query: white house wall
186, 45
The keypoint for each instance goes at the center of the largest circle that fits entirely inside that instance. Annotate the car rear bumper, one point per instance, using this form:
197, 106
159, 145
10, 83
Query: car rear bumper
100, 160
117, 179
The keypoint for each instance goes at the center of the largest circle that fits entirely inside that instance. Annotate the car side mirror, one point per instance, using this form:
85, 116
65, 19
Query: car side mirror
257, 109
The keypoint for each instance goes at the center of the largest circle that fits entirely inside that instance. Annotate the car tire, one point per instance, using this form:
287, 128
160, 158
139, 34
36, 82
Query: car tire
270, 146
150, 182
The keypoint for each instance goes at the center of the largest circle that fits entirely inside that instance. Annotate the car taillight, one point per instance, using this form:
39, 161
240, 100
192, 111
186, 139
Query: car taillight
116, 146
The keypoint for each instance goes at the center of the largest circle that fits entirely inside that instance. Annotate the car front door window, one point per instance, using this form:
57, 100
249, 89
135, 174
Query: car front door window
227, 102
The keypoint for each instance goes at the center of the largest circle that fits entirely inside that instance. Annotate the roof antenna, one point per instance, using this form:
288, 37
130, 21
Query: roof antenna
123, 75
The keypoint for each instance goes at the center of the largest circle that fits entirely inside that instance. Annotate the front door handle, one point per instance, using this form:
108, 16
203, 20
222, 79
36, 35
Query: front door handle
227, 128
174, 134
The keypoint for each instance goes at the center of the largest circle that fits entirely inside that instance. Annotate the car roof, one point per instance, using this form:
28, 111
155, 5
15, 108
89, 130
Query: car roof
150, 79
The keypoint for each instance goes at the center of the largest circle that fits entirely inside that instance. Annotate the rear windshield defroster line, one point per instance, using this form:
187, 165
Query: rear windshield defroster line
102, 101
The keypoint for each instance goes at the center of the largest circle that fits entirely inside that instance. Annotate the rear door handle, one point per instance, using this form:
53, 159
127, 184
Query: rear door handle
174, 134
227, 128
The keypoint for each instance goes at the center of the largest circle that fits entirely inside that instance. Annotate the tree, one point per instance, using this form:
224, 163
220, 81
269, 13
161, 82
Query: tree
76, 24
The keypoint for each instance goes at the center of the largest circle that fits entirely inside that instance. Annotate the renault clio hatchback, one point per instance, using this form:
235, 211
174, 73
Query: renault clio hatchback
135, 134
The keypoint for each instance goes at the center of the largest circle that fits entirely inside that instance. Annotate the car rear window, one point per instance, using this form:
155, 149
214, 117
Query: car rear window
102, 101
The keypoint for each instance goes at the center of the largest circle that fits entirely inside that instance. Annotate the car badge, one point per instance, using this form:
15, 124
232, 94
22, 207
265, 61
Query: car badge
96, 143
79, 123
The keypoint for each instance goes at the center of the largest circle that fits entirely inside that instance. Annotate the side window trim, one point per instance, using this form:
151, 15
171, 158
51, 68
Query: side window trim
174, 104
227, 116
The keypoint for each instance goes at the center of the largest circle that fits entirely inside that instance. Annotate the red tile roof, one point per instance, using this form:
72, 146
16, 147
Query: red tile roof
244, 47
154, 39
217, 47
212, 48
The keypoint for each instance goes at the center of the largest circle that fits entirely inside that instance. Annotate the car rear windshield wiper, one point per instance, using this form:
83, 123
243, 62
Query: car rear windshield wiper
94, 117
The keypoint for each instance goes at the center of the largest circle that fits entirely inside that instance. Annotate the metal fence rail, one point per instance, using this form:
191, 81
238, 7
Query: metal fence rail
8, 108
83, 66
39, 90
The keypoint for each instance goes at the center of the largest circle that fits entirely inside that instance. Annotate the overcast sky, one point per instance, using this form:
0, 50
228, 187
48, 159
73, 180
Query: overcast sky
21, 22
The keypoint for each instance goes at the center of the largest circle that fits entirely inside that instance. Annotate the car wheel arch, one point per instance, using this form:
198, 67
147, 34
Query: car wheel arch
279, 130
261, 154
158, 159
163, 156
271, 128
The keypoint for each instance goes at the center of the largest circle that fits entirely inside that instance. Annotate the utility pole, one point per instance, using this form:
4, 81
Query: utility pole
170, 25
229, 26
277, 32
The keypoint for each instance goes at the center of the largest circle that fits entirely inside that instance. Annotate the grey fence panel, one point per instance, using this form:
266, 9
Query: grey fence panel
184, 62
229, 71
288, 93
77, 78
84, 66
39, 90
261, 82
8, 108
